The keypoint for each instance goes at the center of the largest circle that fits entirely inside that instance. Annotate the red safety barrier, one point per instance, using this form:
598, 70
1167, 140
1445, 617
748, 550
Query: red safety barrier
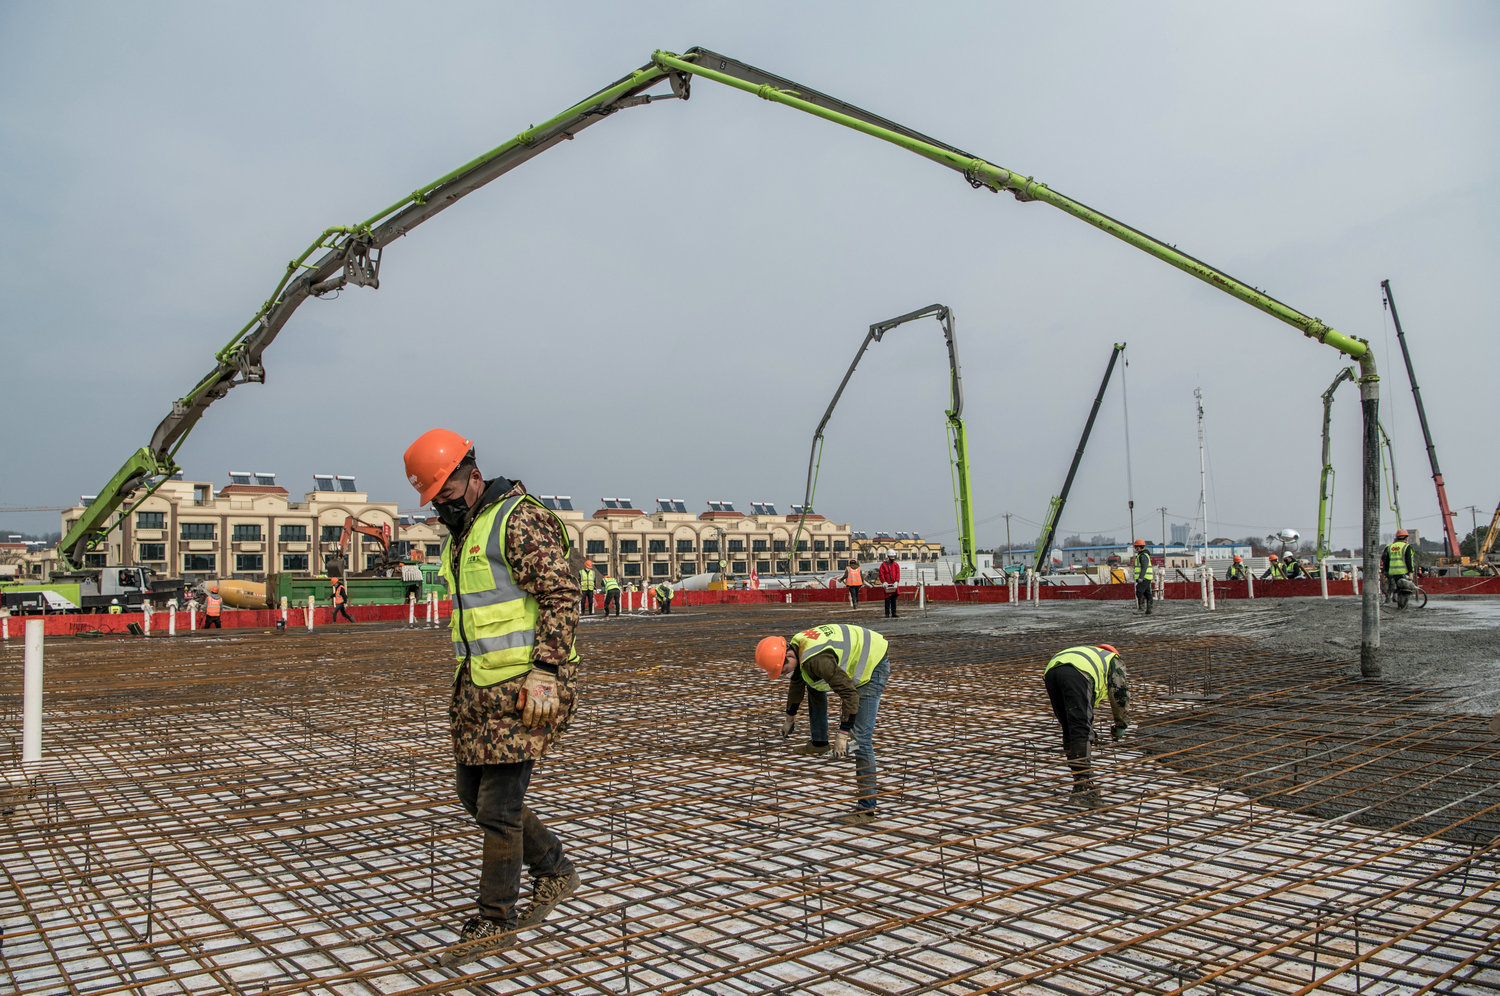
103, 622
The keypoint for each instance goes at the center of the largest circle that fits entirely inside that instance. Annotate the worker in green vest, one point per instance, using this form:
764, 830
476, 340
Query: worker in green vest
1291, 568
1396, 561
1144, 575
1273, 571
1236, 570
114, 607
611, 594
664, 598
853, 663
586, 587
514, 688
1077, 680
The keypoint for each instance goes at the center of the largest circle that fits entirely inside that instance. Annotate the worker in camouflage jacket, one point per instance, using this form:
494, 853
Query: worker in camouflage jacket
515, 611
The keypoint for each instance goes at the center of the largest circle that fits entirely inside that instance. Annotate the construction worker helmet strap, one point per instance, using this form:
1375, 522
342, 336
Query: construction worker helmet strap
770, 655
435, 455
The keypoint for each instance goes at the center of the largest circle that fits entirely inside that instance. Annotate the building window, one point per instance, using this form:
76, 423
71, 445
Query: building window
803, 566
294, 562
738, 567
688, 567
822, 565
758, 546
198, 563
778, 546
659, 570
595, 546
839, 546
246, 534
197, 531
802, 546
374, 560
293, 534
630, 546
736, 546
248, 563
153, 551
331, 534
656, 546
151, 520
684, 546
434, 549
632, 570
781, 567
710, 546
820, 545
762, 567
95, 559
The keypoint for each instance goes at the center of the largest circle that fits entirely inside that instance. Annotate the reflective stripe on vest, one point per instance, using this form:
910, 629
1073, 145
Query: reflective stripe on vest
856, 649
1089, 661
610, 584
852, 576
664, 592
1277, 574
213, 605
1143, 566
1397, 551
586, 579
493, 624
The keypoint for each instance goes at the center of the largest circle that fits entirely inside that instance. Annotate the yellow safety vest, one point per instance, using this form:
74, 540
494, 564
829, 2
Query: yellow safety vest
857, 650
610, 584
1092, 662
586, 579
114, 610
1143, 570
1277, 572
494, 622
1397, 552
664, 592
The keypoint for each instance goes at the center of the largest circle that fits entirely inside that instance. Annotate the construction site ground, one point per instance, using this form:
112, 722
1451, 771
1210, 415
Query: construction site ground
253, 812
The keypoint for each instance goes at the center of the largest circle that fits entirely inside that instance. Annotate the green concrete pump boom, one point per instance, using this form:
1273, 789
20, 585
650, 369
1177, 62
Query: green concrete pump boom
1055, 510
961, 498
351, 254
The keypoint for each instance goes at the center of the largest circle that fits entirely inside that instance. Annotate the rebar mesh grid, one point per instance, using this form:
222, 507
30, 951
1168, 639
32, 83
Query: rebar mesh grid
273, 813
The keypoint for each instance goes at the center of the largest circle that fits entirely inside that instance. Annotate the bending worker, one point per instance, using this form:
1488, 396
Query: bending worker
611, 594
1143, 576
664, 599
1077, 680
1396, 561
850, 661
515, 612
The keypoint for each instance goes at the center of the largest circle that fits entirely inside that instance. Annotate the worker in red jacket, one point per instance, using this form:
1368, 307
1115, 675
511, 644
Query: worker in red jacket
890, 576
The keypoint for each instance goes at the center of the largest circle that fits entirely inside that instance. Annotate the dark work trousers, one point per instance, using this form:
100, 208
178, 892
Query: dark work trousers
587, 606
890, 604
666, 606
341, 609
495, 795
1072, 695
211, 622
612, 598
854, 594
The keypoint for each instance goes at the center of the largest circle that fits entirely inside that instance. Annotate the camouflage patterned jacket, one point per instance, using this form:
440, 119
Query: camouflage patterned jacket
485, 722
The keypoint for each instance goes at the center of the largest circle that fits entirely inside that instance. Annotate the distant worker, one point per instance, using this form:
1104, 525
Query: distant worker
850, 661
1236, 570
1144, 575
1079, 679
213, 607
1396, 561
1292, 568
1273, 570
515, 617
890, 576
664, 599
854, 580
586, 587
611, 595
114, 607
340, 601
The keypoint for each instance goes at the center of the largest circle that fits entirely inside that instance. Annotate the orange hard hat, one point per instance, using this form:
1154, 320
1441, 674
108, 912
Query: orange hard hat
1402, 532
1140, 542
588, 563
1273, 556
1236, 558
213, 589
770, 655
432, 458
1105, 646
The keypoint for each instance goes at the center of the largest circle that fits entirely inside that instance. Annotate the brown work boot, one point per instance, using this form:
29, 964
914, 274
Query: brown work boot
546, 892
857, 817
479, 937
812, 747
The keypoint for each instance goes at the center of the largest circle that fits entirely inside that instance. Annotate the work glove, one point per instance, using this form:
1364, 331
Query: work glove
787, 722
840, 744
538, 698
1117, 732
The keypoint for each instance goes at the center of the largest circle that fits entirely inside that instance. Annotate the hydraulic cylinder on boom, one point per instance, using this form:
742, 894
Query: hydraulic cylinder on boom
1055, 510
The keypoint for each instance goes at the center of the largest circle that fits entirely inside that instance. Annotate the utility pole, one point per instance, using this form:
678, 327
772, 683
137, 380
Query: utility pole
1474, 519
1163, 512
1007, 541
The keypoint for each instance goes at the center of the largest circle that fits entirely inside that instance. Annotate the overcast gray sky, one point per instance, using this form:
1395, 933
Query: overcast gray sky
665, 305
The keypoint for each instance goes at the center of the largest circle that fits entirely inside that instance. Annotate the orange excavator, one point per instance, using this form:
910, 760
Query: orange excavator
339, 563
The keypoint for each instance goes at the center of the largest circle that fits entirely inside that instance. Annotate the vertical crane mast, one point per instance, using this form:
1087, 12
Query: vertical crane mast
1437, 475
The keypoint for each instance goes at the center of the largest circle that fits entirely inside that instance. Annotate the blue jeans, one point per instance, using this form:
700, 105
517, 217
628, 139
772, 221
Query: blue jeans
863, 734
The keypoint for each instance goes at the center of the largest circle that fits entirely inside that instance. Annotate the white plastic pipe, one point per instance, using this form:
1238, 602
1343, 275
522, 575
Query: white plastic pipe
172, 617
31, 695
1323, 578
1202, 585
1250, 584
1213, 603
432, 609
283, 611
1354, 577
312, 603
921, 593
146, 616
193, 615
411, 609
4, 624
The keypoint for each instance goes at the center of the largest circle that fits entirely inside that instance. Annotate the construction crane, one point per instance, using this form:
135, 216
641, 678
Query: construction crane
1055, 510
1437, 475
1482, 551
1325, 483
961, 498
